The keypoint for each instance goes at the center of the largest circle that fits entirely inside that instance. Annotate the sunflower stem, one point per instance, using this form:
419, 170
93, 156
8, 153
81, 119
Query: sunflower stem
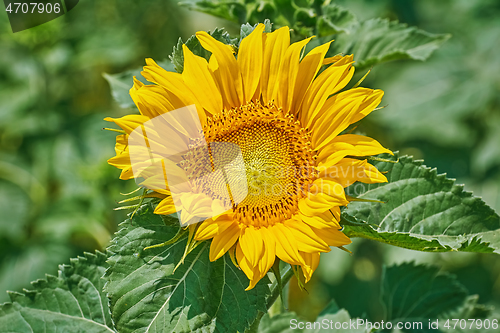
254, 328
286, 275
277, 275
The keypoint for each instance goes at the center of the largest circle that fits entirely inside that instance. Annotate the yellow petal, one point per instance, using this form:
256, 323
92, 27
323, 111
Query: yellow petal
308, 68
348, 171
310, 207
129, 122
286, 245
121, 161
269, 254
327, 83
333, 237
369, 104
155, 176
341, 111
372, 175
331, 60
288, 74
223, 242
311, 261
121, 143
323, 195
231, 83
165, 207
169, 80
332, 190
350, 144
336, 216
252, 245
275, 47
324, 220
243, 262
250, 61
213, 67
127, 174
326, 160
307, 241
178, 91
251, 272
122, 158
195, 205
199, 79
153, 100
367, 146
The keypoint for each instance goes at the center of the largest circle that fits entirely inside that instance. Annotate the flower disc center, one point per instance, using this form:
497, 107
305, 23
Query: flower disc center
278, 161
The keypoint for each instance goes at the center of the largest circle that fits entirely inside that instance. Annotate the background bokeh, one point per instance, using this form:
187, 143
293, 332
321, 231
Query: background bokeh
57, 192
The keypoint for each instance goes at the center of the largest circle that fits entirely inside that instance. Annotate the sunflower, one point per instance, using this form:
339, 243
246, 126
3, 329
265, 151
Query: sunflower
285, 113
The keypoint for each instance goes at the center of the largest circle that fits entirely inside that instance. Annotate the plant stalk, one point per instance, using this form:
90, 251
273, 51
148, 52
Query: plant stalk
286, 275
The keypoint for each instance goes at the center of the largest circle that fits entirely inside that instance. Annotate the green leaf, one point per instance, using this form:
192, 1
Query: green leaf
470, 309
381, 40
329, 320
177, 57
120, 85
232, 10
348, 220
418, 292
331, 307
332, 316
422, 210
71, 302
280, 323
335, 20
484, 322
146, 294
289, 322
246, 29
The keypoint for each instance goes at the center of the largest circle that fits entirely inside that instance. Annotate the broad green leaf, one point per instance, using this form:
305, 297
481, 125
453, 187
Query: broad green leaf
380, 40
410, 292
71, 302
335, 20
422, 210
146, 294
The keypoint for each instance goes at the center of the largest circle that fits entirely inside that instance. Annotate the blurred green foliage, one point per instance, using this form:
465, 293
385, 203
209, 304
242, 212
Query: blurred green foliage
57, 192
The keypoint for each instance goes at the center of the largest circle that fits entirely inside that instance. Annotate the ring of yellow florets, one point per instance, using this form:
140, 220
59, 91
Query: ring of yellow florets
278, 157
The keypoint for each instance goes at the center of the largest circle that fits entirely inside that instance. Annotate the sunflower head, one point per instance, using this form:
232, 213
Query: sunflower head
250, 147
